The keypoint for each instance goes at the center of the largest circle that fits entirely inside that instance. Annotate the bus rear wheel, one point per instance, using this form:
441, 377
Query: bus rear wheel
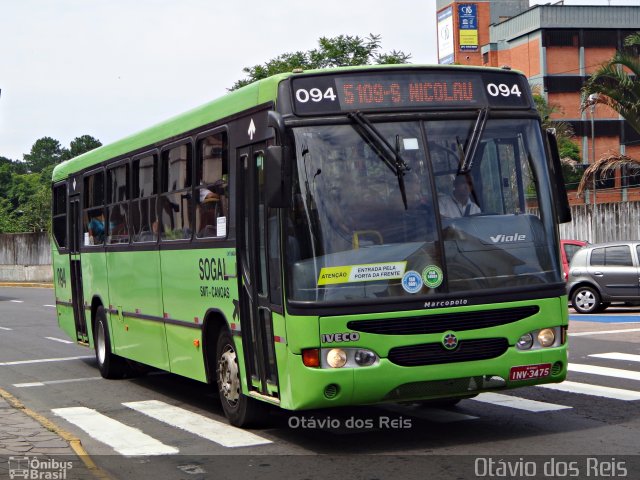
241, 410
110, 365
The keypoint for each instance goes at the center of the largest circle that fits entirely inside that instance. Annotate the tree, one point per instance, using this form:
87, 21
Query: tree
25, 187
80, 145
569, 151
45, 151
616, 87
340, 51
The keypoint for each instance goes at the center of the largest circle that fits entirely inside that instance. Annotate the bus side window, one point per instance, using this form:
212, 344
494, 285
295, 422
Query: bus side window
118, 204
175, 197
93, 214
212, 186
144, 220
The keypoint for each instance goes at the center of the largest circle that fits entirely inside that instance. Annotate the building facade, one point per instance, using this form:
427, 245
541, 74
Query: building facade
558, 47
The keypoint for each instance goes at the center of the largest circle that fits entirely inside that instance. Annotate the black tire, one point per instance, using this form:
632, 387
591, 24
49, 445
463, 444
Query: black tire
242, 411
109, 364
586, 299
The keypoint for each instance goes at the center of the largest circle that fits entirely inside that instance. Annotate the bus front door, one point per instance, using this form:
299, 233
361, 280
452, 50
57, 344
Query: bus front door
75, 267
255, 309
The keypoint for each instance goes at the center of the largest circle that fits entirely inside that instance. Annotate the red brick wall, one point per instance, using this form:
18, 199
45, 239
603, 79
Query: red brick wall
526, 58
596, 56
563, 60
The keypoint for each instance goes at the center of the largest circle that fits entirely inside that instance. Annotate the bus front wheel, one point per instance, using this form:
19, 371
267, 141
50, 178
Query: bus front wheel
110, 365
242, 411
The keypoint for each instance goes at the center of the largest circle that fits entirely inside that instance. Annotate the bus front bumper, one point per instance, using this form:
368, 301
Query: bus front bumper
388, 382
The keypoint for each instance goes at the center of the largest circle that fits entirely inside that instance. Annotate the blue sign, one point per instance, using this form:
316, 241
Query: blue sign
468, 26
468, 16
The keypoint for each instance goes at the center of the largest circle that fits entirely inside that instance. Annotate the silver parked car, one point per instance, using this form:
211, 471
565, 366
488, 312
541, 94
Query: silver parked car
603, 273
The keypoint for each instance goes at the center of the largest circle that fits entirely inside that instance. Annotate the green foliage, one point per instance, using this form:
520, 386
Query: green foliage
616, 83
25, 187
80, 145
569, 151
340, 51
44, 152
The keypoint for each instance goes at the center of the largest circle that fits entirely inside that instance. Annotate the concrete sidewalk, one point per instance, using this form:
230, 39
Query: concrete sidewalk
29, 441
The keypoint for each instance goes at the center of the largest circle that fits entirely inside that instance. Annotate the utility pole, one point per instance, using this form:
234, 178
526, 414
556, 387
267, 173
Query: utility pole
592, 100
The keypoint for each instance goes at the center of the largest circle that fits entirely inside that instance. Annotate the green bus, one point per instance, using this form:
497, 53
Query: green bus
324, 238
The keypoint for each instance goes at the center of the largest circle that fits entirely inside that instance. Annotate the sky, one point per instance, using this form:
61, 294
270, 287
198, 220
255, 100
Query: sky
109, 68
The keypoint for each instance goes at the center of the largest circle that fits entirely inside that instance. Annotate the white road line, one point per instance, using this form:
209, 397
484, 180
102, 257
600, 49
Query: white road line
122, 438
44, 360
58, 340
16, 301
221, 433
604, 332
617, 356
5, 328
595, 390
435, 415
49, 306
606, 371
55, 382
517, 402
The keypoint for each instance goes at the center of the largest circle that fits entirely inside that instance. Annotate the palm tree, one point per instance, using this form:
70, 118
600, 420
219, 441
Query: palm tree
612, 85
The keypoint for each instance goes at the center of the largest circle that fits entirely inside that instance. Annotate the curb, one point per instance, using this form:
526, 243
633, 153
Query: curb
74, 442
26, 284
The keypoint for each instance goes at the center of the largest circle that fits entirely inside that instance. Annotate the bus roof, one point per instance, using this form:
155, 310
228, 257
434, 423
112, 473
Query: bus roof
256, 93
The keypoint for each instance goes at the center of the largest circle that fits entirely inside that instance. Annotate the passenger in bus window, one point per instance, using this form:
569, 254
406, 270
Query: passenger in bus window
96, 227
459, 203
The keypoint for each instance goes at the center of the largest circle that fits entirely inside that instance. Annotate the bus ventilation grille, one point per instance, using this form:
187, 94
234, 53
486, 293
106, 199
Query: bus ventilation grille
458, 322
435, 353
438, 388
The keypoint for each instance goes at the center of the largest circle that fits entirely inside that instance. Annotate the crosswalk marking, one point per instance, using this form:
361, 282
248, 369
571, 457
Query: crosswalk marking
604, 332
6, 328
123, 439
517, 402
61, 340
54, 382
595, 390
218, 432
45, 360
606, 371
617, 356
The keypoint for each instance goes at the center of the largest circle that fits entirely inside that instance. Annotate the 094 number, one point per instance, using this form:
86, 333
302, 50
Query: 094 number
502, 89
315, 95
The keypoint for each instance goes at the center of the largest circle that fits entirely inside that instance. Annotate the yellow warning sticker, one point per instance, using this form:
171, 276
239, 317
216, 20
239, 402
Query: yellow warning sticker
361, 273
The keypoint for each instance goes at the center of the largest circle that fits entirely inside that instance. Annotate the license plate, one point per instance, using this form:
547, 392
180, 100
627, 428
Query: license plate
530, 372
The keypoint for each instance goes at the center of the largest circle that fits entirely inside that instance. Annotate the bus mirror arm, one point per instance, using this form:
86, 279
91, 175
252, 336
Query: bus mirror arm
275, 121
278, 177
563, 210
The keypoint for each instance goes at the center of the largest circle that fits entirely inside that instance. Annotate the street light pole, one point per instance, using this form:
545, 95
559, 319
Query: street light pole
593, 99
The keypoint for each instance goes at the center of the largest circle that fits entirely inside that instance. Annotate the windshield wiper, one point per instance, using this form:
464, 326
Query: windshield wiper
389, 155
467, 155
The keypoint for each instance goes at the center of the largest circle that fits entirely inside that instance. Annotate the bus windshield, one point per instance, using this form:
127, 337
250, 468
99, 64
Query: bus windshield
350, 236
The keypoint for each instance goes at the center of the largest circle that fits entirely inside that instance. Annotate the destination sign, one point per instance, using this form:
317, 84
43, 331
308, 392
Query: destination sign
408, 90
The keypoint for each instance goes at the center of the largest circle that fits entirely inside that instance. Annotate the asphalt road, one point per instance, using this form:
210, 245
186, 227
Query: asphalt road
169, 427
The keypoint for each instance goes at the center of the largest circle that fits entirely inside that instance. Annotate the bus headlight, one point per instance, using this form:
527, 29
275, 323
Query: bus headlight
364, 358
546, 337
348, 357
525, 342
336, 358
543, 338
